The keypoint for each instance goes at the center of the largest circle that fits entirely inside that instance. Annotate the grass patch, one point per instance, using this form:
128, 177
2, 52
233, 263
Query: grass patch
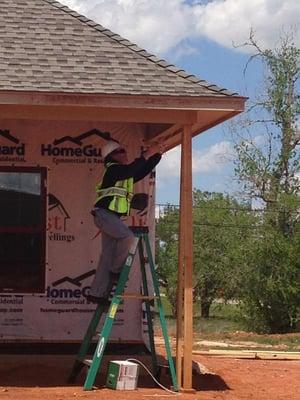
223, 318
225, 324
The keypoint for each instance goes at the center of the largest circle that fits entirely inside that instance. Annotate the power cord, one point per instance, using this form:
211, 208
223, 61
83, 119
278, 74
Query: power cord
153, 377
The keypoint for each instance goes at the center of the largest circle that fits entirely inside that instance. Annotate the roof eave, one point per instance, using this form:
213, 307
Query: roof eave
127, 101
172, 136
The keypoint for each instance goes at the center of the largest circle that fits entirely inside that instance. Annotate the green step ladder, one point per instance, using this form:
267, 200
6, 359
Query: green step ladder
142, 244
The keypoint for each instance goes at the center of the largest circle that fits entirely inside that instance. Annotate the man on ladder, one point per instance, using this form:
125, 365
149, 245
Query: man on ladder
114, 195
119, 246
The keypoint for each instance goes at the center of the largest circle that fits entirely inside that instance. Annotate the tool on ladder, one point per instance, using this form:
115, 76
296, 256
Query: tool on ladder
143, 245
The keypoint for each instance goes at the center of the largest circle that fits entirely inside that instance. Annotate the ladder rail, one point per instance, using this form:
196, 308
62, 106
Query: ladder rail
161, 313
148, 309
98, 355
85, 345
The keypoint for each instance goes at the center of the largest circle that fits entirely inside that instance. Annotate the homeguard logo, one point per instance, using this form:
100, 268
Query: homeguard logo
57, 221
72, 295
13, 151
77, 152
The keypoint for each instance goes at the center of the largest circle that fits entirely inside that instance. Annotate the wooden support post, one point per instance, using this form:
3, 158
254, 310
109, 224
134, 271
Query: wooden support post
186, 263
180, 284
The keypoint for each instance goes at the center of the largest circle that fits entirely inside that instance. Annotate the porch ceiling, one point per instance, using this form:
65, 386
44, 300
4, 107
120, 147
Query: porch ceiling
162, 116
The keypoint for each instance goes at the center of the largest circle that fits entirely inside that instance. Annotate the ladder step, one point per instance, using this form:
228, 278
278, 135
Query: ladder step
87, 361
137, 296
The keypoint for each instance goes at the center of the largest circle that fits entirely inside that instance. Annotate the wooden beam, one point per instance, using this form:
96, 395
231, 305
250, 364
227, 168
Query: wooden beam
170, 132
171, 136
221, 102
187, 232
256, 354
180, 280
76, 113
153, 130
225, 353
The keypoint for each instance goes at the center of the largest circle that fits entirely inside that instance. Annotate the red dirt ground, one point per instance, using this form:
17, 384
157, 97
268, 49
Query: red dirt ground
43, 377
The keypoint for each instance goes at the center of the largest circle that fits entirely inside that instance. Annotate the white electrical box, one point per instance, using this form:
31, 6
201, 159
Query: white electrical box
122, 375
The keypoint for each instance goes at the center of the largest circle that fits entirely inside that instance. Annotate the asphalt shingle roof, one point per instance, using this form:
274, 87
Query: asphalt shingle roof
45, 46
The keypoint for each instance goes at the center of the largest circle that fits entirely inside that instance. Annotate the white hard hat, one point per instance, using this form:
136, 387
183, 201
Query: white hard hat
109, 148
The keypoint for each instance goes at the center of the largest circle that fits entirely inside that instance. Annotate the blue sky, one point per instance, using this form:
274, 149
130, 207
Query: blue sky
198, 36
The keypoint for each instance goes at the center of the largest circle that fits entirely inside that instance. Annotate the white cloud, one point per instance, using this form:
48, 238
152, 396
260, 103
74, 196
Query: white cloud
213, 159
229, 21
210, 160
259, 140
156, 25
78, 5
162, 26
169, 167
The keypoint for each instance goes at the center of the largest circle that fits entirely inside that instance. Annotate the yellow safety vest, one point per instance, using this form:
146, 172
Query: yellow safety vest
122, 193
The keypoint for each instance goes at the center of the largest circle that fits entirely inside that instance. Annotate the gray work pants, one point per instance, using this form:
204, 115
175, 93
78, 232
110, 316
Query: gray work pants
117, 239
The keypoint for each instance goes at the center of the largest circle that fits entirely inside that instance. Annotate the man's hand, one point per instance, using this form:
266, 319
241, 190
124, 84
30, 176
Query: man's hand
155, 148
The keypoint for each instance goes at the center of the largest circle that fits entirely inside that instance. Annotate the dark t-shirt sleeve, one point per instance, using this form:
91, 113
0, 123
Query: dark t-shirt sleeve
147, 168
137, 170
119, 172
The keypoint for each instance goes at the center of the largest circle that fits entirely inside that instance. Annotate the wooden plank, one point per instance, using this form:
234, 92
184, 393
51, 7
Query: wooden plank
225, 103
250, 354
180, 280
171, 137
225, 353
188, 257
277, 356
277, 352
156, 132
88, 113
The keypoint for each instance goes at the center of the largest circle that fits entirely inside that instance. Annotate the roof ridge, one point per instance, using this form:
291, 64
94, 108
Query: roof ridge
142, 52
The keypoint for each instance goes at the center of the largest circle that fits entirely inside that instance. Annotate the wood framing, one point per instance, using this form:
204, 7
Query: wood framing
81, 113
180, 281
187, 231
184, 343
233, 103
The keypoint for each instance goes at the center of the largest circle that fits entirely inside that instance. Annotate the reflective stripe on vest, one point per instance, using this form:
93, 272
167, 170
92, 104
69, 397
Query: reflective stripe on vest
122, 193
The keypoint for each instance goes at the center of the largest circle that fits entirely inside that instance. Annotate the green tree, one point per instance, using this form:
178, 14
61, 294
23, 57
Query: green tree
219, 224
167, 252
270, 282
268, 168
